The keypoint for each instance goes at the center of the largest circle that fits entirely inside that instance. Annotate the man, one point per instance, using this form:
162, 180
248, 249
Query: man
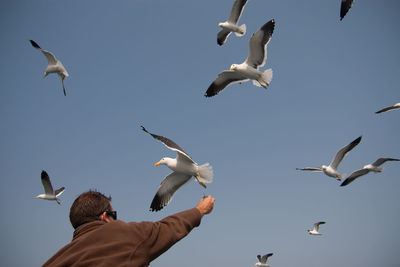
101, 240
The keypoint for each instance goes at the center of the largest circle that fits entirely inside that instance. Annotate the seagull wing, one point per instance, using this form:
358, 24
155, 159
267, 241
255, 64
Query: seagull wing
388, 108
171, 145
35, 45
343, 152
236, 11
316, 225
313, 169
259, 258
48, 188
183, 157
344, 7
354, 175
258, 45
265, 257
380, 161
385, 109
51, 59
167, 189
223, 80
222, 36
59, 191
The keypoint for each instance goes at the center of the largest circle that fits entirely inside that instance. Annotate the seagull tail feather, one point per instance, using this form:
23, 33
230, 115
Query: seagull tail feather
266, 79
206, 173
242, 30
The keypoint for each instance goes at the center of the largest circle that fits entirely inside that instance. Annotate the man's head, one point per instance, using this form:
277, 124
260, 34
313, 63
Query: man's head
88, 207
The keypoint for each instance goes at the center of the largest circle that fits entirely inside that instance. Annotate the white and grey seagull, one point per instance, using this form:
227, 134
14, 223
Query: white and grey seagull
249, 68
53, 65
230, 25
345, 7
49, 192
262, 261
183, 168
315, 230
331, 170
374, 167
395, 106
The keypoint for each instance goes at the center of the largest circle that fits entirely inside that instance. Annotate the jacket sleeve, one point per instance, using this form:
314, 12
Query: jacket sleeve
165, 233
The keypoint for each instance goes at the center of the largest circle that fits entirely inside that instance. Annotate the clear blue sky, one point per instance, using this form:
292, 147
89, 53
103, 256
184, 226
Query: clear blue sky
149, 63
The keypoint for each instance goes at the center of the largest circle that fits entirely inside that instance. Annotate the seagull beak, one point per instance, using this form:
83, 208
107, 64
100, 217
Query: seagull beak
158, 163
36, 197
231, 68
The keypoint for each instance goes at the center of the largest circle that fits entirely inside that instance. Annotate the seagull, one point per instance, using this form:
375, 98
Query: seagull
262, 261
183, 168
344, 7
231, 24
366, 169
315, 230
395, 106
249, 68
331, 170
49, 193
53, 65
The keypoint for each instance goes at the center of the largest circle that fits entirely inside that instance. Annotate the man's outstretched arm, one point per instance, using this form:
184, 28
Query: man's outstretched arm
168, 231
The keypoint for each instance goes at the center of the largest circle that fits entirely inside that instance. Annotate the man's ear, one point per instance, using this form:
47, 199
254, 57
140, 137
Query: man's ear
104, 217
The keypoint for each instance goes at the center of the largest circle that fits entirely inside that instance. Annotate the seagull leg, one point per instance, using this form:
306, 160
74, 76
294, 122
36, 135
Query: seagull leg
264, 84
198, 179
62, 81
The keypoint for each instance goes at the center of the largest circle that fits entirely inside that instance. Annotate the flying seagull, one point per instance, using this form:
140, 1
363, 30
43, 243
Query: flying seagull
249, 68
49, 193
366, 169
344, 7
331, 170
262, 261
183, 168
315, 230
53, 65
395, 106
230, 25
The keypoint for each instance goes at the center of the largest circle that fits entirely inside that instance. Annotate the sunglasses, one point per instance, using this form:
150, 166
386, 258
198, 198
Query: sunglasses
112, 214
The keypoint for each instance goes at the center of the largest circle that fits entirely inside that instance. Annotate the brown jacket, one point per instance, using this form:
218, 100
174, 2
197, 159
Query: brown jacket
124, 244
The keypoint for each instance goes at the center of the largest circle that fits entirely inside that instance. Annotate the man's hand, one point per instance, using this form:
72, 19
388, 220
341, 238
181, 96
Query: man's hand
206, 205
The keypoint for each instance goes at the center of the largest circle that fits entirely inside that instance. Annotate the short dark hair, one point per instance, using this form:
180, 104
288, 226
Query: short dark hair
87, 207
